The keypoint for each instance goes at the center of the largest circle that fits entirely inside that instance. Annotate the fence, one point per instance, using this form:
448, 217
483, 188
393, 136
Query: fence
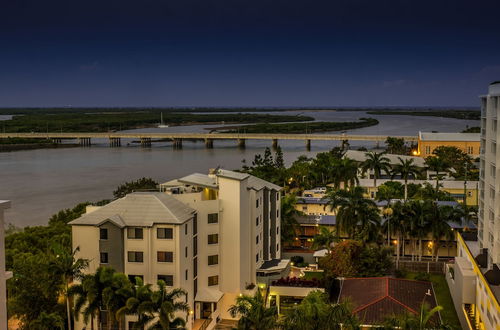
434, 267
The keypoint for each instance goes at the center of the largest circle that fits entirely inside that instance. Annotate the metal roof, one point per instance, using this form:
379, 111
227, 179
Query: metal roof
141, 209
199, 179
460, 137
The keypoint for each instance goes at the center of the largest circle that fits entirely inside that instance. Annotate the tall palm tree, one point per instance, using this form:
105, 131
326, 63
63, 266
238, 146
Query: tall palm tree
166, 304
324, 239
376, 163
355, 213
406, 169
65, 263
115, 297
253, 313
89, 295
139, 303
289, 216
315, 312
438, 165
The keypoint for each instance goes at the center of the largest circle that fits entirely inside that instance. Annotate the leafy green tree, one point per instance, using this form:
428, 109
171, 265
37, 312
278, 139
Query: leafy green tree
458, 160
267, 167
138, 185
438, 165
48, 321
253, 313
376, 163
406, 169
315, 312
396, 146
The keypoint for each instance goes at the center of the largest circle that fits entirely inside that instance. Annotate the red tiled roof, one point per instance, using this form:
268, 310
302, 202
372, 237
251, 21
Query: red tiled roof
376, 298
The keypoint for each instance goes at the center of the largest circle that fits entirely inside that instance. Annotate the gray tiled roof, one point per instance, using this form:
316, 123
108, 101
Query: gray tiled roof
139, 209
425, 136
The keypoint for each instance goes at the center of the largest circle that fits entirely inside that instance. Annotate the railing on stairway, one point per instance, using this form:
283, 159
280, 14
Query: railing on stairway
471, 317
205, 324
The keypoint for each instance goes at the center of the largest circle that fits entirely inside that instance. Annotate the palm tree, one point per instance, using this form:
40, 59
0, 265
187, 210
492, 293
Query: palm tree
437, 164
89, 294
64, 263
355, 214
289, 216
376, 163
316, 313
115, 297
254, 315
166, 304
409, 321
324, 239
139, 303
406, 169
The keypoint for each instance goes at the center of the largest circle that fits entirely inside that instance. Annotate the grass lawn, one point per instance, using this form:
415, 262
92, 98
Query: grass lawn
448, 314
312, 275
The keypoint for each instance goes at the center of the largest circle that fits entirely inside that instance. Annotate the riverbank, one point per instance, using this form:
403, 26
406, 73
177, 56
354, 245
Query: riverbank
299, 128
456, 114
34, 146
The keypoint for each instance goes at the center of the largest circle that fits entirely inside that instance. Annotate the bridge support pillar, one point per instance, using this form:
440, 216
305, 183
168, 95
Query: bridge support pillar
209, 143
275, 143
308, 145
84, 142
115, 142
177, 143
145, 142
241, 143
56, 141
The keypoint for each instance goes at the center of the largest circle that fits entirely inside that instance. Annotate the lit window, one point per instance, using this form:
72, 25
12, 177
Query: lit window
213, 280
164, 256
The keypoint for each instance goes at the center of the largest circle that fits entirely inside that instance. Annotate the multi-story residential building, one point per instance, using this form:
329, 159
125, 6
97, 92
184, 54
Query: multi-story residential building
467, 142
4, 276
216, 236
475, 279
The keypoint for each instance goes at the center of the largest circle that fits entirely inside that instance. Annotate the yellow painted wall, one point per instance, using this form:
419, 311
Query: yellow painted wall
425, 148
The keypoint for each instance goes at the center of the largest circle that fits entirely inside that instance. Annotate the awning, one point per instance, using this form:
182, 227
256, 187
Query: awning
320, 253
208, 295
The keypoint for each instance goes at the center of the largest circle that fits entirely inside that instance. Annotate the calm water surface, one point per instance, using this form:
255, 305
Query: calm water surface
41, 182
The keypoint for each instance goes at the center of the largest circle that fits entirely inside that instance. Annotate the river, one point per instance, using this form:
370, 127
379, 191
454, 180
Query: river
41, 182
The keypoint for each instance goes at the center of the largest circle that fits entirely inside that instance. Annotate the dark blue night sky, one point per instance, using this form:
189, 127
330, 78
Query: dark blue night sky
247, 53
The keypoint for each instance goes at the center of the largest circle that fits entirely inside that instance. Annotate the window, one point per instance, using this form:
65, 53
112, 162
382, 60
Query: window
469, 193
168, 279
257, 257
186, 229
213, 280
186, 252
470, 150
257, 240
195, 246
103, 233
427, 150
304, 208
257, 202
213, 218
133, 278
257, 221
164, 256
104, 257
277, 196
213, 260
277, 213
213, 239
195, 224
134, 233
164, 233
135, 256
278, 247
195, 267
277, 230
186, 274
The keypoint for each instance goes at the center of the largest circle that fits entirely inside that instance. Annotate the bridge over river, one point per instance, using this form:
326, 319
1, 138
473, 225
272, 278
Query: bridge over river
147, 138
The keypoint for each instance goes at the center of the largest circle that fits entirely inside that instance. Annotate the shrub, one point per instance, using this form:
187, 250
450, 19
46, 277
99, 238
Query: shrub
400, 273
423, 277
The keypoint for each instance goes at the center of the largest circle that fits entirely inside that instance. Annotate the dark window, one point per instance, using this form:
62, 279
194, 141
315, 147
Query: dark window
165, 233
168, 279
257, 257
186, 252
257, 240
195, 289
195, 267
164, 256
103, 233
186, 275
257, 202
277, 247
134, 233
213, 280
213, 260
132, 278
277, 230
195, 225
135, 256
277, 213
104, 257
257, 221
213, 218
277, 196
195, 246
213, 239
186, 229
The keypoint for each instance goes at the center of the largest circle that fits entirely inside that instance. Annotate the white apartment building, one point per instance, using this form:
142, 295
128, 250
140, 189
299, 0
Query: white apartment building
216, 236
475, 279
4, 276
